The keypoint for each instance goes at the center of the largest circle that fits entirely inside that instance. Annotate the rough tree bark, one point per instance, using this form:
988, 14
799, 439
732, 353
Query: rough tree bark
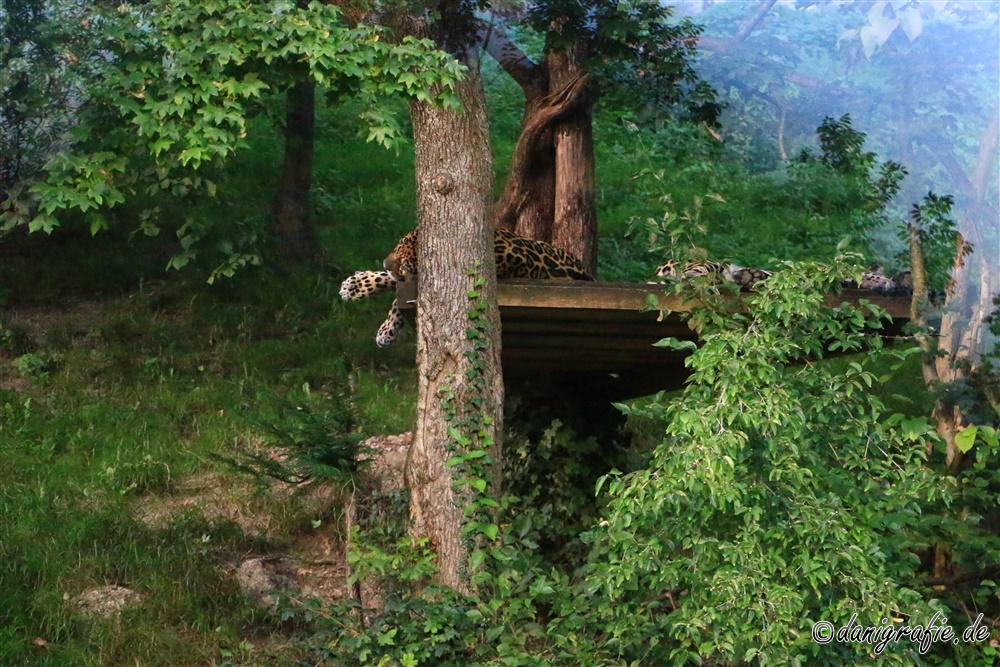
574, 227
460, 385
293, 226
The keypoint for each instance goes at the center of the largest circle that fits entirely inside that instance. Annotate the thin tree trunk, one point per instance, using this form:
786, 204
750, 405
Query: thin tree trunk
293, 225
460, 387
968, 301
574, 227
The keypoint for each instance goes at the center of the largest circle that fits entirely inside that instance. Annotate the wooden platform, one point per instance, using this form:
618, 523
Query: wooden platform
599, 336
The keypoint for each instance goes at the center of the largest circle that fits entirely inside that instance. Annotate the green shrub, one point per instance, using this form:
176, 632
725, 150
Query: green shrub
37, 365
781, 494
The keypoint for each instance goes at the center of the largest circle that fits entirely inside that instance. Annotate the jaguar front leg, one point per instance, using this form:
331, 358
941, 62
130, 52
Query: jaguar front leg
364, 284
392, 326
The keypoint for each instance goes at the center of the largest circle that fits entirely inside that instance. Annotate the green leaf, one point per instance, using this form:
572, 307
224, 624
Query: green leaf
966, 438
43, 223
676, 344
914, 428
98, 223
491, 530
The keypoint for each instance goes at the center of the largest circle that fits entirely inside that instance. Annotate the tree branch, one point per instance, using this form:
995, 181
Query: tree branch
748, 26
988, 143
964, 578
753, 21
532, 77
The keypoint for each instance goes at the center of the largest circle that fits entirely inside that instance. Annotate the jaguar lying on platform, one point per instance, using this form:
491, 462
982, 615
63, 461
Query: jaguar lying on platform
873, 279
516, 257
732, 273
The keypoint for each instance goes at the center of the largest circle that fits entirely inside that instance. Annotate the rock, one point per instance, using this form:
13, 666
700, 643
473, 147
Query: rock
389, 458
263, 579
106, 601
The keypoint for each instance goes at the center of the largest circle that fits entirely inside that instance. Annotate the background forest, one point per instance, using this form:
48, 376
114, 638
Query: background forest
182, 391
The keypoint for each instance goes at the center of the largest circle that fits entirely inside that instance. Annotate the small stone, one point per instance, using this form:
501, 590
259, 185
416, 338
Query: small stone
106, 601
263, 579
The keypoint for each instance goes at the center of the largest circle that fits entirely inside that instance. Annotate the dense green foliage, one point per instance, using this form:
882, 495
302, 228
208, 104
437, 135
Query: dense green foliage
793, 476
808, 500
807, 61
48, 58
171, 96
697, 199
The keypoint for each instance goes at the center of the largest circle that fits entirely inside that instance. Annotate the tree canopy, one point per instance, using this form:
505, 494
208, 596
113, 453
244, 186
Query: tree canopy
172, 87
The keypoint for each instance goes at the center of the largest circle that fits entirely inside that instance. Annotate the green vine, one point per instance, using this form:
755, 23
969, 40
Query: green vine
469, 435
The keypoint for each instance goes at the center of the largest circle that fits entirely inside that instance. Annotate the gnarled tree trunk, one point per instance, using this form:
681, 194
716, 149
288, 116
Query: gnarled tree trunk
963, 334
549, 194
460, 385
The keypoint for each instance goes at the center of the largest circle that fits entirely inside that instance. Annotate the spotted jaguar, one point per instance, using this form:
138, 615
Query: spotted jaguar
742, 276
873, 279
516, 257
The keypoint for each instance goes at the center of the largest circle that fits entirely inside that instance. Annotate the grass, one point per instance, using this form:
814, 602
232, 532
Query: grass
115, 415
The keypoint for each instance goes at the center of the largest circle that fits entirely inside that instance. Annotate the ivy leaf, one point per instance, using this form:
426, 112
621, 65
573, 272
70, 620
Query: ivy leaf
491, 530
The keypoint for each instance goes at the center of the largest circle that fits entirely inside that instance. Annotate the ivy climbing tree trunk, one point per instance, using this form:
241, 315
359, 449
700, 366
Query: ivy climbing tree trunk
460, 386
293, 226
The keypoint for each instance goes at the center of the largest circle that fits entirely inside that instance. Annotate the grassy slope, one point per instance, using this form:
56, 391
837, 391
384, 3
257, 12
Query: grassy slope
118, 382
134, 379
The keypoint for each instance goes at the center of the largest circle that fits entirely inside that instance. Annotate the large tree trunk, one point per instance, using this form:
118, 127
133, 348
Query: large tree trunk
293, 227
460, 387
574, 227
